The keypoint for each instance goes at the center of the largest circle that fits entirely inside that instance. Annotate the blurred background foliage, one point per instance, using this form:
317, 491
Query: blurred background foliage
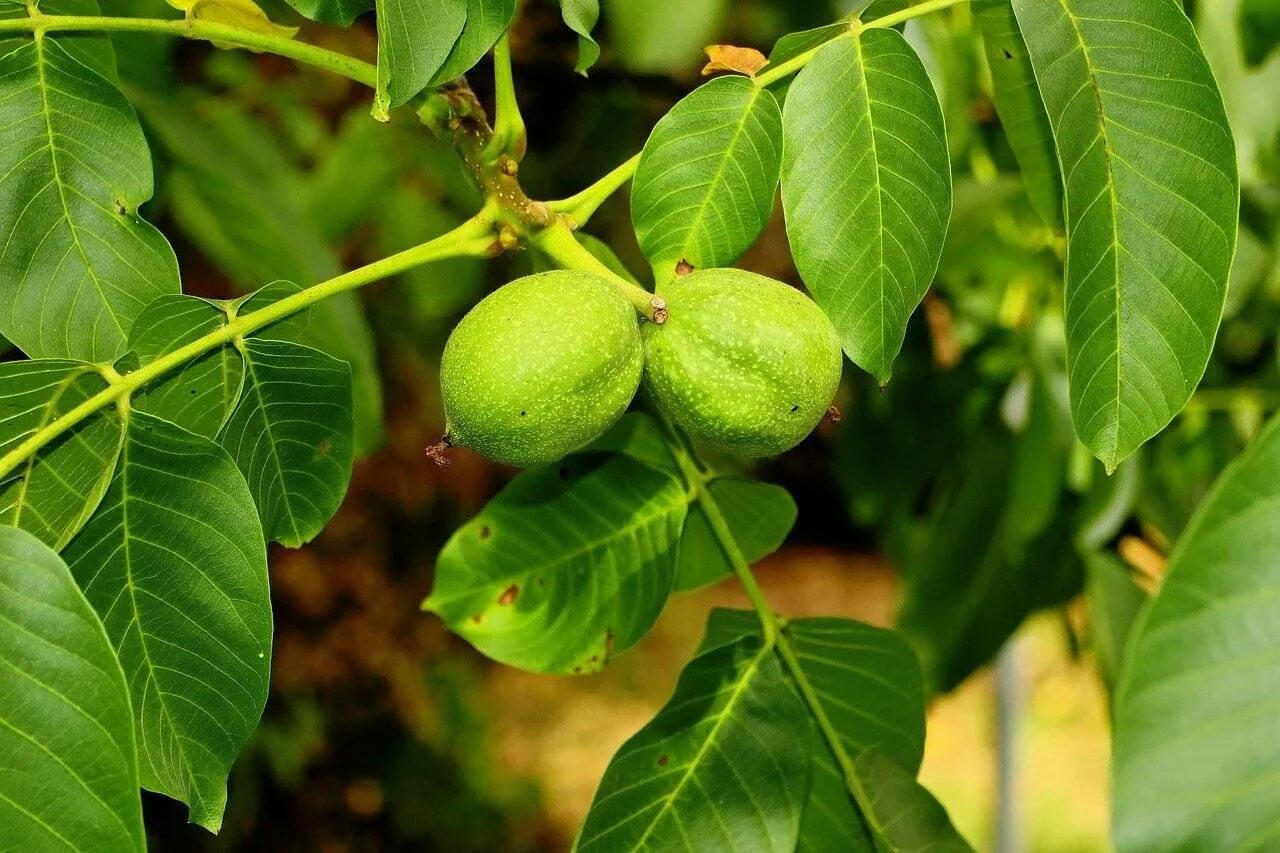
955, 502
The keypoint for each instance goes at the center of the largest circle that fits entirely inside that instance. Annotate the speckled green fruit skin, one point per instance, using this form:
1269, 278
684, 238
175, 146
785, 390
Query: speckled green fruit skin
744, 363
540, 368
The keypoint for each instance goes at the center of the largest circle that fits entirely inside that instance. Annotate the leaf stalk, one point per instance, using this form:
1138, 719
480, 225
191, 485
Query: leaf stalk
201, 30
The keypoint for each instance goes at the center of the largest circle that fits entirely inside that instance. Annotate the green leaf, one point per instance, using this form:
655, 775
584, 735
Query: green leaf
175, 564
93, 50
907, 816
1195, 713
723, 766
251, 221
290, 435
704, 188
70, 777
55, 491
869, 685
487, 20
581, 17
1021, 110
1114, 603
976, 569
200, 395
1152, 194
566, 567
866, 187
341, 12
415, 38
1259, 29
760, 515
793, 44
78, 262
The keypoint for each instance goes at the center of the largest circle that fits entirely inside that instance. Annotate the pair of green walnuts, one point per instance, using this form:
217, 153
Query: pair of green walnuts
545, 365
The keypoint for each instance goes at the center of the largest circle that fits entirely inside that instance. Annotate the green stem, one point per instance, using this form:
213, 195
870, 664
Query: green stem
916, 11
773, 74
771, 625
579, 208
558, 243
473, 238
509, 135
346, 66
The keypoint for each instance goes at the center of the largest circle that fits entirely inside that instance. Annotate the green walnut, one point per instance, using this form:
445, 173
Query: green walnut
744, 363
540, 368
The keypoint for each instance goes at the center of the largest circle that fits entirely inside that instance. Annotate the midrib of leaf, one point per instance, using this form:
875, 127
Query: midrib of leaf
865, 89
852, 782
629, 531
165, 715
1109, 155
251, 369
20, 501
47, 115
734, 697
716, 179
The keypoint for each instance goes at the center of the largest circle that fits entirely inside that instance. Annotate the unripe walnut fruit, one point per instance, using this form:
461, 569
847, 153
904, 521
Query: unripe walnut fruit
744, 363
540, 368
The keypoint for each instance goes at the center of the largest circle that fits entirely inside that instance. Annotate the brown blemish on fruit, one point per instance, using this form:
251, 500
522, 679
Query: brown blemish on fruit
833, 414
509, 594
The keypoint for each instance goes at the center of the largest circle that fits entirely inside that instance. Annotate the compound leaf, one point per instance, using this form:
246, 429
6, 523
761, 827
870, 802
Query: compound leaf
707, 176
723, 766
77, 262
1195, 711
175, 565
290, 435
866, 188
566, 566
53, 493
200, 395
1152, 194
68, 767
1021, 110
415, 38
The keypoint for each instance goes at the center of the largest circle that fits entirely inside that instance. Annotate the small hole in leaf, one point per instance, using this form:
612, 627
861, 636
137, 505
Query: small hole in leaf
523, 413
192, 392
1008, 55
795, 409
